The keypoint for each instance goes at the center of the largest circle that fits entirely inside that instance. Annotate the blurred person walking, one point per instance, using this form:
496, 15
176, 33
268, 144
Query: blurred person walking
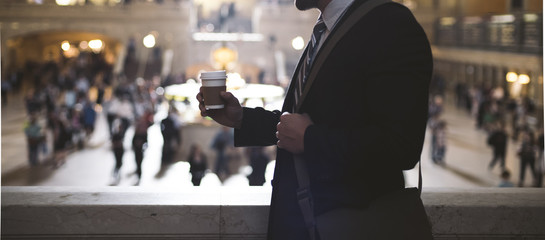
125, 110
540, 166
172, 137
258, 162
461, 92
82, 84
5, 88
119, 128
498, 141
76, 126
374, 72
221, 142
198, 164
481, 112
120, 107
439, 139
527, 155
436, 108
35, 137
111, 114
520, 121
70, 97
101, 89
495, 114
473, 105
51, 95
89, 118
140, 139
62, 138
33, 103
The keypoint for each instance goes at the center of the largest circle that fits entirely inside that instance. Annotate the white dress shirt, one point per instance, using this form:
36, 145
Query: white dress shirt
331, 15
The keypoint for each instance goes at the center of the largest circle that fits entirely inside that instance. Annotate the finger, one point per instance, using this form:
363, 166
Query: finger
279, 136
280, 127
283, 127
282, 135
199, 95
283, 132
279, 144
204, 113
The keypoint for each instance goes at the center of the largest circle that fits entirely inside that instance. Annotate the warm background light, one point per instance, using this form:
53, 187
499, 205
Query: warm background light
511, 77
83, 45
65, 45
224, 57
95, 45
524, 79
63, 2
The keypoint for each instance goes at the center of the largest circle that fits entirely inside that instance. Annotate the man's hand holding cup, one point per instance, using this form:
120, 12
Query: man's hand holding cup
216, 103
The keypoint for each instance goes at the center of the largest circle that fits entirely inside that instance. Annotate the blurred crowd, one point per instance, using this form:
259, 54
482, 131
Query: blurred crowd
62, 103
68, 96
503, 119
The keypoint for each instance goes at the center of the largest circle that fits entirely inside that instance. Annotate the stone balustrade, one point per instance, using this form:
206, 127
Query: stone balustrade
240, 213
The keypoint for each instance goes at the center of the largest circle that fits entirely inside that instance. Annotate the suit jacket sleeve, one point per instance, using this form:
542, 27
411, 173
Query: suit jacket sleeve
383, 125
258, 128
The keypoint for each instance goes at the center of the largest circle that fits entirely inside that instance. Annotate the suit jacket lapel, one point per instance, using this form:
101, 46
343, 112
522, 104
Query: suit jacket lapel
312, 68
355, 12
288, 99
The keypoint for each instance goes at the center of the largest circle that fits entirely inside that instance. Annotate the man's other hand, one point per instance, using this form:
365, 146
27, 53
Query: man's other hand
291, 132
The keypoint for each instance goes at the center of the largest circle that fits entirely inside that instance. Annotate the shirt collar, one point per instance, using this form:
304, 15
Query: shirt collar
333, 11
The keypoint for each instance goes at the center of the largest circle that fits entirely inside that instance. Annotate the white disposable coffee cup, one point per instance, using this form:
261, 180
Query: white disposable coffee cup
213, 83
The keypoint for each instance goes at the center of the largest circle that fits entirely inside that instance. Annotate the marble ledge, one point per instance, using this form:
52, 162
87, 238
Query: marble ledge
241, 213
187, 213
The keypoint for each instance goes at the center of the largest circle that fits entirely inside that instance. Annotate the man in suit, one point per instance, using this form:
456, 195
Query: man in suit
361, 122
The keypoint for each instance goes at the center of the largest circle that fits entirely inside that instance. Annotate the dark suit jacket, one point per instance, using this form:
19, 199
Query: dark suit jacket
369, 108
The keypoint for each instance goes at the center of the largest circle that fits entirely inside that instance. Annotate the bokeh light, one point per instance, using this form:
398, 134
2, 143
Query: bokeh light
524, 79
149, 41
511, 77
95, 45
298, 43
65, 46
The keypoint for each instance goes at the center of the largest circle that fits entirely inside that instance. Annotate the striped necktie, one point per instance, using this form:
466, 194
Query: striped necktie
301, 79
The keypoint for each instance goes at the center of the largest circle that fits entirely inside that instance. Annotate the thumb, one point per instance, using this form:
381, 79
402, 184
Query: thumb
228, 97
